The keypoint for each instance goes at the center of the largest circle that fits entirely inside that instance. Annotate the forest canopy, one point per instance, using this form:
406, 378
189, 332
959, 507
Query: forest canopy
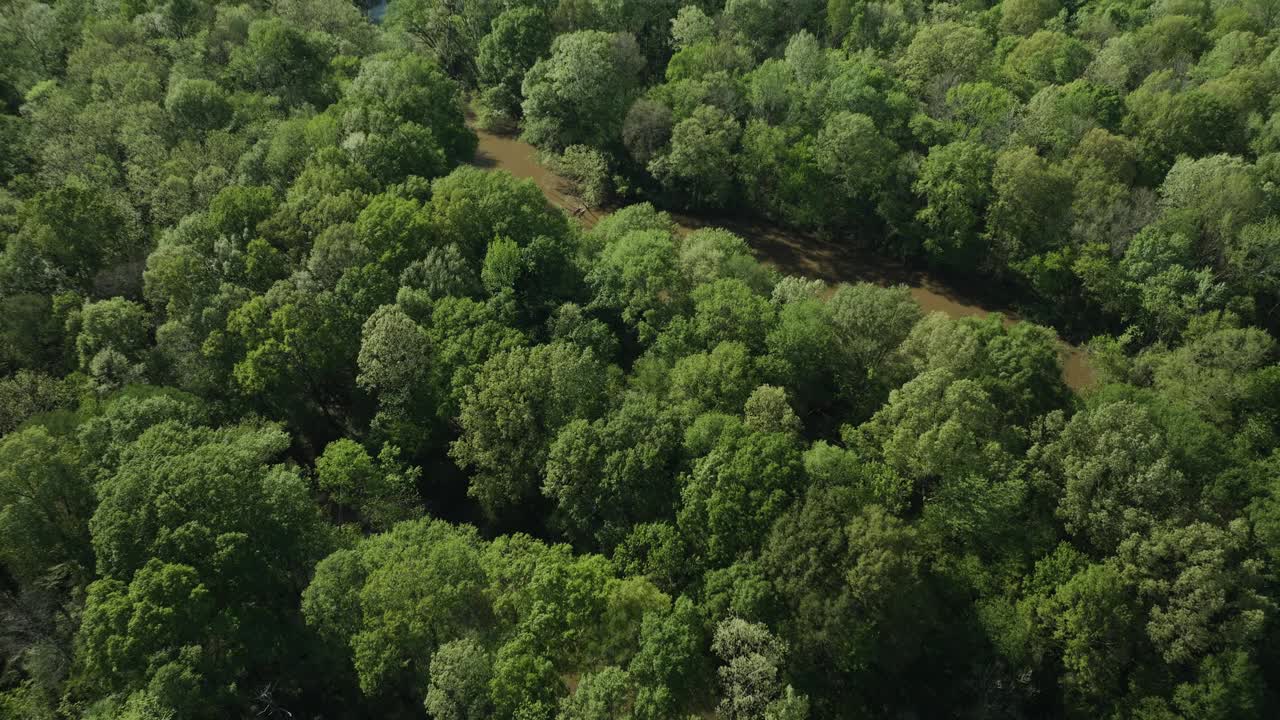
303, 415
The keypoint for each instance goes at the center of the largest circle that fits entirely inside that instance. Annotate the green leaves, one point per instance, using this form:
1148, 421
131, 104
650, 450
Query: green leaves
954, 181
1093, 619
188, 605
698, 168
745, 481
752, 658
404, 117
610, 474
1115, 475
1203, 588
80, 228
381, 490
600, 695
196, 489
637, 276
937, 426
460, 675
580, 93
45, 503
198, 103
398, 598
852, 509
517, 38
510, 414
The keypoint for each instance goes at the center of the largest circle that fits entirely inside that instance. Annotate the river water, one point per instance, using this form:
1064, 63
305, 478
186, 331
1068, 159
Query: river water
790, 253
377, 11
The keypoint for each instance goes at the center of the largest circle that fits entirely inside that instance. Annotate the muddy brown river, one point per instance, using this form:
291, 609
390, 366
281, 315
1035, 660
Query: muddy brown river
790, 253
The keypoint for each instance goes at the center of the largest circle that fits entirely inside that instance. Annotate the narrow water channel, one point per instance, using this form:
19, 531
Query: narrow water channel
788, 252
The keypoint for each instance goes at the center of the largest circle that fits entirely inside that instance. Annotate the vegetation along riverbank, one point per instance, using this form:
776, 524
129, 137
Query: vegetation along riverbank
624, 397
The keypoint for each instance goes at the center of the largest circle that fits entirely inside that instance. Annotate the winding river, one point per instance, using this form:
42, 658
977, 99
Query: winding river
790, 253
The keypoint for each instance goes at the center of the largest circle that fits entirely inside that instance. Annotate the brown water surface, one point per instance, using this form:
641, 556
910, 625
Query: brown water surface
791, 253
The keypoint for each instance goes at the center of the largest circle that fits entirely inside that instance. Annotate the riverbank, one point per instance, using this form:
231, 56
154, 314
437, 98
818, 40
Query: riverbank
790, 253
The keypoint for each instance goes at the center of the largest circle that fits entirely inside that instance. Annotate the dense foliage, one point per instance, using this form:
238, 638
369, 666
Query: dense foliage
301, 418
1111, 165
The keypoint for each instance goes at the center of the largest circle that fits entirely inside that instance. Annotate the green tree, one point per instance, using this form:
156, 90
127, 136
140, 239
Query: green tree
610, 474
1166, 124
727, 310
587, 170
280, 59
518, 37
943, 55
600, 695
45, 504
117, 325
470, 207
751, 673
690, 26
294, 352
1228, 685
394, 363
189, 605
1211, 199
572, 324
525, 683
403, 95
199, 104
937, 426
1017, 364
1045, 58
111, 425
398, 600
720, 380
852, 582
764, 25
1023, 17
698, 167
869, 323
381, 489
449, 29
711, 254
646, 129
668, 664
502, 266
637, 276
1253, 258
512, 411
462, 335
1203, 588
27, 393
81, 228
459, 688
1030, 207
1114, 473
983, 112
955, 185
768, 410
580, 94
444, 272
743, 481
850, 149
1093, 621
